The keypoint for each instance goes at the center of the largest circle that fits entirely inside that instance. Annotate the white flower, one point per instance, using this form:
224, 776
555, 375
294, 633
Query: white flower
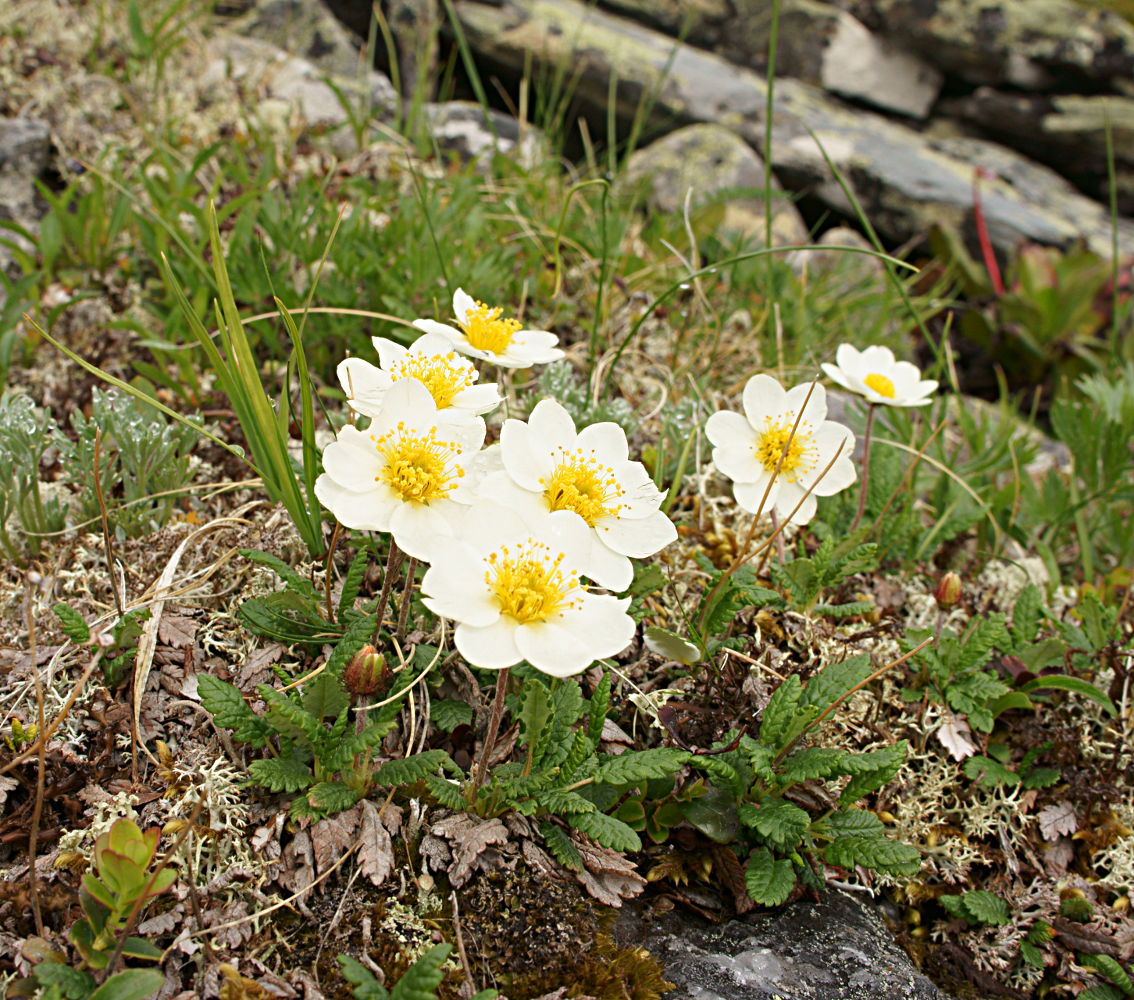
747, 448
484, 334
512, 585
875, 374
549, 467
431, 360
406, 473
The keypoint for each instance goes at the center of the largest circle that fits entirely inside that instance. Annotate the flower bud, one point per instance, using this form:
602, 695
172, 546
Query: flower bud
948, 591
367, 673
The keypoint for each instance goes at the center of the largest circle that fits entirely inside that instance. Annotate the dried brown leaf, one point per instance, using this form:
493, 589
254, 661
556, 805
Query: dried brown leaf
469, 837
332, 836
297, 864
608, 876
177, 630
954, 735
376, 850
6, 785
1057, 820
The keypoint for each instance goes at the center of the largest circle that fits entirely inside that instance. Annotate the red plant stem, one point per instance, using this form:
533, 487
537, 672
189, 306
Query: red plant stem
986, 250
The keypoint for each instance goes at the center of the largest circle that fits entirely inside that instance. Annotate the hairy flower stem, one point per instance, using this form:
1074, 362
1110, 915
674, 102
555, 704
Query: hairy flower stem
480, 769
393, 560
407, 593
865, 466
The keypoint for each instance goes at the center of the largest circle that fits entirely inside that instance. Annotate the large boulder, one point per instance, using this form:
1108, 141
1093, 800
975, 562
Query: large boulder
1026, 43
715, 165
903, 180
835, 948
25, 152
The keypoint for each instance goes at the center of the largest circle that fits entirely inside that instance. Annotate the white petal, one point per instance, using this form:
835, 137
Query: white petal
569, 645
478, 398
463, 304
419, 528
816, 410
877, 359
748, 495
352, 461
441, 329
787, 500
836, 374
606, 567
526, 455
551, 425
364, 511
503, 489
637, 538
849, 359
390, 351
364, 384
608, 441
453, 587
741, 466
727, 429
763, 397
492, 647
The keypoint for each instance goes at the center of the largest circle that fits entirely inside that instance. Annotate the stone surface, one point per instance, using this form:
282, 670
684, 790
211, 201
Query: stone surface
835, 949
717, 166
1064, 131
826, 46
25, 151
1025, 43
307, 29
903, 180
280, 81
461, 127
25, 145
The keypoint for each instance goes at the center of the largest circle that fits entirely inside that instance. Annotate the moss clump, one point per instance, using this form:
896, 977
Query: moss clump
533, 934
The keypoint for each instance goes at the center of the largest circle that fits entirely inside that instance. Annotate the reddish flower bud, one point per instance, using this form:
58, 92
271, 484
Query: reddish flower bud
948, 591
366, 674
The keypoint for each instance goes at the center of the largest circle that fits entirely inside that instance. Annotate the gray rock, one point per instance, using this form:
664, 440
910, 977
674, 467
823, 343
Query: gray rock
903, 180
823, 45
280, 80
1020, 42
1064, 131
717, 166
25, 146
462, 127
834, 949
307, 29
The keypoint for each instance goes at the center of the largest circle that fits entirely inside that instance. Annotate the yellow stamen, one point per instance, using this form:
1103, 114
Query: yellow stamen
530, 583
418, 466
799, 457
487, 331
444, 375
880, 384
583, 484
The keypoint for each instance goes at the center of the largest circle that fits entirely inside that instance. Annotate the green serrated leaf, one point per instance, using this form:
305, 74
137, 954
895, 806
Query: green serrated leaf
812, 763
75, 626
768, 880
366, 986
449, 713
563, 803
299, 584
780, 823
325, 697
535, 713
407, 770
989, 773
331, 797
1109, 967
607, 831
871, 771
780, 712
421, 980
873, 852
559, 843
635, 766
1031, 954
281, 774
223, 701
445, 791
985, 907
597, 708
851, 823
352, 582
834, 681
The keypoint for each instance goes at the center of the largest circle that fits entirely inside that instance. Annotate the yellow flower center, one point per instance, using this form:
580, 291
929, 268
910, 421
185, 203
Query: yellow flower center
880, 384
418, 466
799, 456
444, 375
530, 583
487, 331
583, 484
